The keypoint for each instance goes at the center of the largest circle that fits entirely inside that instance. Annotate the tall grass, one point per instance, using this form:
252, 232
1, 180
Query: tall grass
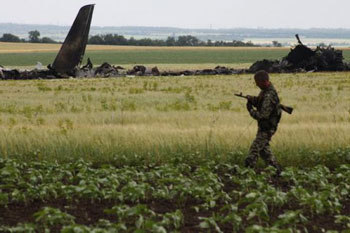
160, 117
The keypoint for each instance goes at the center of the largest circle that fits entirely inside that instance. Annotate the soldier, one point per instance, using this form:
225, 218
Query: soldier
268, 115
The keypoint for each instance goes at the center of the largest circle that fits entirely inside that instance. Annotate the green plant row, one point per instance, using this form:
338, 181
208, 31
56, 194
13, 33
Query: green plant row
210, 196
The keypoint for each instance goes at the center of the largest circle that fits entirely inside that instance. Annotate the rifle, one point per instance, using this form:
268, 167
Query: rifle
285, 108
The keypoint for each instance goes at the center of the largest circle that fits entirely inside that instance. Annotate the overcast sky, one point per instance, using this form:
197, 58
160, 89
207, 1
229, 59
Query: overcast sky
184, 13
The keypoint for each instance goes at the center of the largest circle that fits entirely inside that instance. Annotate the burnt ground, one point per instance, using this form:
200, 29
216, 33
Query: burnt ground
88, 212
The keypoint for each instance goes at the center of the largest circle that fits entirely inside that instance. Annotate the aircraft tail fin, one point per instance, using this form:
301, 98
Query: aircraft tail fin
72, 50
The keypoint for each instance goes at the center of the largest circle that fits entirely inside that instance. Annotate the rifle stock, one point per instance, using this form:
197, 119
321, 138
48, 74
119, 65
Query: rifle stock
285, 108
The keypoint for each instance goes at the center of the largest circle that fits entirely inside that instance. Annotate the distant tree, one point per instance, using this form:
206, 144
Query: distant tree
7, 37
120, 40
158, 42
110, 39
219, 43
237, 43
115, 39
132, 41
47, 40
170, 41
34, 36
248, 44
209, 43
187, 41
145, 42
96, 40
275, 43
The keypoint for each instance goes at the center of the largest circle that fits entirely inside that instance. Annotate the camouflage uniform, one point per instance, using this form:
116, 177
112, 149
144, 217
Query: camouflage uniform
268, 114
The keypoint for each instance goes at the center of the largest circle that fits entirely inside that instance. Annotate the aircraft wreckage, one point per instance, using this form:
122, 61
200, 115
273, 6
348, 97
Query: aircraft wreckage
68, 60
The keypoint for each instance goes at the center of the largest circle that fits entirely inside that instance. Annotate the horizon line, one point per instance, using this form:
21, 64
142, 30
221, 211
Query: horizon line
223, 28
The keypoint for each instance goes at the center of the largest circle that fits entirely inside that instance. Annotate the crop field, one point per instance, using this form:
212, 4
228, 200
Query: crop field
26, 55
210, 196
165, 154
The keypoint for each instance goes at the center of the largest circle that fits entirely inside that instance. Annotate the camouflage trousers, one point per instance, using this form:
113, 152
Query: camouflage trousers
261, 146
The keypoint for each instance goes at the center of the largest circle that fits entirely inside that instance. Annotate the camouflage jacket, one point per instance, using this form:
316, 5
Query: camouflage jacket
268, 111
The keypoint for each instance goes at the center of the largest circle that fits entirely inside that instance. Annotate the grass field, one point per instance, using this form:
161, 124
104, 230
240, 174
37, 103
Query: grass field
154, 117
27, 55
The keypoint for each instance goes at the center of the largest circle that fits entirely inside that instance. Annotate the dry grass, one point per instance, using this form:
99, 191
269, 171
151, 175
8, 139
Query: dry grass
6, 47
157, 116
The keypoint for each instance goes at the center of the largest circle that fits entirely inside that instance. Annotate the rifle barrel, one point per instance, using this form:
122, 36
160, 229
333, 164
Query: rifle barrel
285, 108
242, 96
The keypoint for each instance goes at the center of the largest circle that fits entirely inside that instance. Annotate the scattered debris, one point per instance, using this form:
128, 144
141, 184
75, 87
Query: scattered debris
299, 59
303, 59
143, 71
2, 76
88, 65
39, 66
106, 70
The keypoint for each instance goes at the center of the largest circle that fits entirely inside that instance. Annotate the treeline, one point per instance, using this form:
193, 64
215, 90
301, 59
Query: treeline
33, 37
115, 39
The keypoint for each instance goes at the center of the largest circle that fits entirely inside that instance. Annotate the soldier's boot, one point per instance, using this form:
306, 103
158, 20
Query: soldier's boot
250, 162
278, 170
271, 160
247, 163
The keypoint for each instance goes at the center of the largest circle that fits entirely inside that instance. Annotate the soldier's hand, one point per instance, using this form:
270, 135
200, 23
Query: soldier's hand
249, 106
252, 100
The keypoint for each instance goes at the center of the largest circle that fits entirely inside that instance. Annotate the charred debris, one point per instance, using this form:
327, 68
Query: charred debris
68, 61
304, 59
